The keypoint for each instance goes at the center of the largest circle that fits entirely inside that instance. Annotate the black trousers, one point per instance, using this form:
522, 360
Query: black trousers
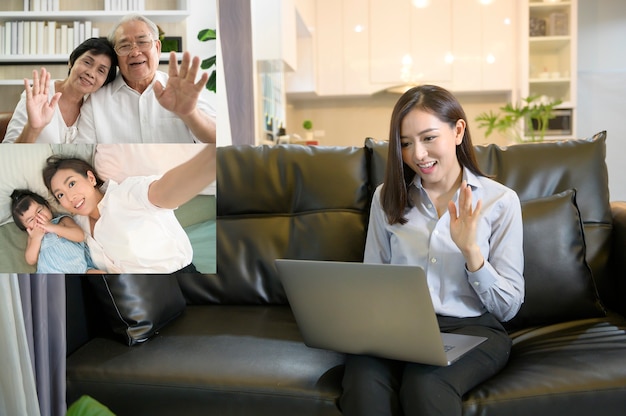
376, 386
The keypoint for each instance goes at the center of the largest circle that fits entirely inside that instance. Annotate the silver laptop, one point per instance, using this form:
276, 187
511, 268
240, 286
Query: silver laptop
370, 309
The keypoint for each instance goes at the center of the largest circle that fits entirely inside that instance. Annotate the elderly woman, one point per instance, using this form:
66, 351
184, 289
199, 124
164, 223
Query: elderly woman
48, 112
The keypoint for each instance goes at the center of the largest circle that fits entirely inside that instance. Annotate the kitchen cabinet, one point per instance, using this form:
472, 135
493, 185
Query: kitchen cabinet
330, 46
302, 81
410, 44
483, 46
359, 47
356, 37
274, 32
335, 57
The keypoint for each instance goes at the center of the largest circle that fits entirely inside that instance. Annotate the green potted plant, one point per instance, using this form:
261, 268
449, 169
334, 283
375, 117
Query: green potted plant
206, 35
308, 126
535, 111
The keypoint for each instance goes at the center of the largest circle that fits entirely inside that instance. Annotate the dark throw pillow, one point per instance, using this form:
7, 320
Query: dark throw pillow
558, 280
138, 305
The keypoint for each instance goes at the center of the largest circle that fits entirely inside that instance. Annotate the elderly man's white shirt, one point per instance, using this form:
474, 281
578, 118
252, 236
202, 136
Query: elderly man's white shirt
118, 114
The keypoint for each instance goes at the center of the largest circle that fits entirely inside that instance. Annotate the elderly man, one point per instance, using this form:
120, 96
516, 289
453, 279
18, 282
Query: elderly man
143, 104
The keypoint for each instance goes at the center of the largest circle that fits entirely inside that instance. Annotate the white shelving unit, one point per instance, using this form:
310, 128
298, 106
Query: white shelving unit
94, 15
170, 15
550, 43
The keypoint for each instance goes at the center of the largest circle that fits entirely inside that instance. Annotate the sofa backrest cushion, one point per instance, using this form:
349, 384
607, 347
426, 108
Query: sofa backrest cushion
558, 280
287, 201
538, 170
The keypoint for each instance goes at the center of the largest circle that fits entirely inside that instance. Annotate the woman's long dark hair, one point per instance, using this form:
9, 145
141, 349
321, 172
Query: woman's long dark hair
56, 163
398, 176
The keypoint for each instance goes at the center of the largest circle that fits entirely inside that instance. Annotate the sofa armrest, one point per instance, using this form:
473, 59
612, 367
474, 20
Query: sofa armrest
618, 252
5, 117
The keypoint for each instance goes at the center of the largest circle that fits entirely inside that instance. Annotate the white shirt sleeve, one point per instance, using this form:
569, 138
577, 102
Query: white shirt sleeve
18, 121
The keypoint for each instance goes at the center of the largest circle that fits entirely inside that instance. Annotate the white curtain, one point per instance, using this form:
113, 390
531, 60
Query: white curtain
18, 395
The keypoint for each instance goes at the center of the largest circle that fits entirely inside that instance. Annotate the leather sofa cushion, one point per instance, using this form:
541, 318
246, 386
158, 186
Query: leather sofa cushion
138, 305
212, 360
300, 202
574, 368
558, 280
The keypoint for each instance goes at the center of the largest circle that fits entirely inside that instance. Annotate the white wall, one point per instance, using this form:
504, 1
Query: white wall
602, 82
203, 15
348, 121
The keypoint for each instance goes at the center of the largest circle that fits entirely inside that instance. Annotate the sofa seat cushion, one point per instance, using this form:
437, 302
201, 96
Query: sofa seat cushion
563, 369
226, 360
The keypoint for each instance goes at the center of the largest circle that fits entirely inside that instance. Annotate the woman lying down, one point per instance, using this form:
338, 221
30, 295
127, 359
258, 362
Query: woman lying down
130, 227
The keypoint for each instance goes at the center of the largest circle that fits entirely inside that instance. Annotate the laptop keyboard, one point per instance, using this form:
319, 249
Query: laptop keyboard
447, 348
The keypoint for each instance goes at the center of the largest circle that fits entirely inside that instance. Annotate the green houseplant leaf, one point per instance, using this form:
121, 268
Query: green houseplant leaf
532, 108
208, 62
88, 406
206, 35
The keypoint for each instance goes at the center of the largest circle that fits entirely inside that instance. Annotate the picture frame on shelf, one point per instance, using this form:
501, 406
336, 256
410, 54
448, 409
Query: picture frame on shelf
172, 44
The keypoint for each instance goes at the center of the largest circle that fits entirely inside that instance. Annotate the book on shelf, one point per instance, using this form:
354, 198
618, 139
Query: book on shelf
44, 38
57, 40
41, 5
33, 38
50, 38
124, 5
62, 46
41, 30
26, 37
20, 38
6, 44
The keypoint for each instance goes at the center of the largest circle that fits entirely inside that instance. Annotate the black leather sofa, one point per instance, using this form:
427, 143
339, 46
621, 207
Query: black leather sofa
233, 347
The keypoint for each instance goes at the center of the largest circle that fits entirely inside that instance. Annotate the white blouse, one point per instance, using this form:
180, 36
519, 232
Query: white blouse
55, 132
134, 236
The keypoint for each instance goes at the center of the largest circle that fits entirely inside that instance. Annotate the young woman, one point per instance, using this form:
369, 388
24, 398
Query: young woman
48, 112
131, 226
437, 210
55, 242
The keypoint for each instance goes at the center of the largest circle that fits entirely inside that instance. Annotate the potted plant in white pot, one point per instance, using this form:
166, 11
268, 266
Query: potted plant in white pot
308, 127
535, 111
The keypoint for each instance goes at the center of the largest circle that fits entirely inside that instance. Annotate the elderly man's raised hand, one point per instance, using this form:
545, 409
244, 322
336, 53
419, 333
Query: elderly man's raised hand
181, 93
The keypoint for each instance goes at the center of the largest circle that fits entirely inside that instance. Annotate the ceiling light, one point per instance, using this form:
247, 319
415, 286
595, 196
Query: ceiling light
420, 4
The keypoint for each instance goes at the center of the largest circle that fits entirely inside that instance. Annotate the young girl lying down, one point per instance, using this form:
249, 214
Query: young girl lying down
131, 226
55, 241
